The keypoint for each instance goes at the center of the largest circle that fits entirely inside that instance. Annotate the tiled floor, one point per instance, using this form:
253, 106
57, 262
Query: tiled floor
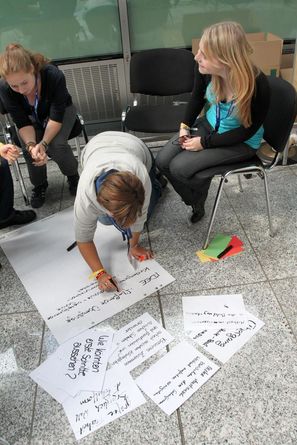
251, 400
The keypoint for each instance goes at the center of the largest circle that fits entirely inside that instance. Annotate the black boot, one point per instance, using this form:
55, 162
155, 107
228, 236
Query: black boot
72, 183
18, 217
38, 195
198, 212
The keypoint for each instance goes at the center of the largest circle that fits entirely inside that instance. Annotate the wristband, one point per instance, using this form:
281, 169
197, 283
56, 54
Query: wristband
96, 273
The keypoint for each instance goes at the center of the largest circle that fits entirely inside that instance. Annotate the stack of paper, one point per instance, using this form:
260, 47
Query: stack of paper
221, 247
75, 375
219, 323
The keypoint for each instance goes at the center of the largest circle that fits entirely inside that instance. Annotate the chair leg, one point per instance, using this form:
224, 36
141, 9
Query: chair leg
271, 232
77, 144
214, 211
20, 179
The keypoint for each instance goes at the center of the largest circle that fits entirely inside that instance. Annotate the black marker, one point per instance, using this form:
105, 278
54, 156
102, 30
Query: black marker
71, 246
228, 248
114, 283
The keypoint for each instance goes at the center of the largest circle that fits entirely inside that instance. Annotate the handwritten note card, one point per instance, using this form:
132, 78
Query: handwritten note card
79, 364
139, 340
69, 302
223, 343
176, 376
89, 411
211, 311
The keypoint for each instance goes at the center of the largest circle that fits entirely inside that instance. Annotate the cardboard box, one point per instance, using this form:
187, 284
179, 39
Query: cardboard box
267, 51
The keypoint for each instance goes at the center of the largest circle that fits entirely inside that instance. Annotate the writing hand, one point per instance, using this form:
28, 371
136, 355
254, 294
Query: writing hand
106, 283
140, 253
192, 144
9, 152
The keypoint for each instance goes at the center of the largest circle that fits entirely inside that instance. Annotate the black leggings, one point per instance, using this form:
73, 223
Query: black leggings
182, 167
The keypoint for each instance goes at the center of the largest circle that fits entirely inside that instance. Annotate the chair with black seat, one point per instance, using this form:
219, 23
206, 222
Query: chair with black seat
277, 128
159, 72
78, 129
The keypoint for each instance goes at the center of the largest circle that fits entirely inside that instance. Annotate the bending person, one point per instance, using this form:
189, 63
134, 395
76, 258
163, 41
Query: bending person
34, 93
8, 215
238, 96
117, 186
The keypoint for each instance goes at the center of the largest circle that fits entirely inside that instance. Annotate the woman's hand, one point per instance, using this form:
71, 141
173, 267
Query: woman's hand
140, 253
105, 283
192, 144
39, 155
9, 152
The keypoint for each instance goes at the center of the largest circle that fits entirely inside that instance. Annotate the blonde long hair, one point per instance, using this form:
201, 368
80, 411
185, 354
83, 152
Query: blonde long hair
226, 42
16, 58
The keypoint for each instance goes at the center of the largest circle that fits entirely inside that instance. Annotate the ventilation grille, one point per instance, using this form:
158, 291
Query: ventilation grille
97, 89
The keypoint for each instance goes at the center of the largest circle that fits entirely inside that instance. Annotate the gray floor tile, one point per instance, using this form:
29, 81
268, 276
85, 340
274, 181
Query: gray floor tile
286, 293
252, 398
20, 345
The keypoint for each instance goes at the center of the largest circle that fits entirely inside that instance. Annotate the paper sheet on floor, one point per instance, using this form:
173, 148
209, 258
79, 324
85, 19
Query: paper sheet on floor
137, 341
211, 311
223, 343
89, 411
57, 280
176, 376
78, 364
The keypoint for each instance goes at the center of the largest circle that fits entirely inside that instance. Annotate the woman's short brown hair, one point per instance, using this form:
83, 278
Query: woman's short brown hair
122, 194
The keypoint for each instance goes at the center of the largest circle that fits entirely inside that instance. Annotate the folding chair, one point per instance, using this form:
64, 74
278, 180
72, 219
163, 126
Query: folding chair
277, 127
159, 72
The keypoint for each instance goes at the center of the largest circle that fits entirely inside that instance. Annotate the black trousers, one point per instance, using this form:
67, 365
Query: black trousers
6, 191
182, 167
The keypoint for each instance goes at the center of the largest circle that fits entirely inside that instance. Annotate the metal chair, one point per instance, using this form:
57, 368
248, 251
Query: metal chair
159, 72
77, 130
277, 127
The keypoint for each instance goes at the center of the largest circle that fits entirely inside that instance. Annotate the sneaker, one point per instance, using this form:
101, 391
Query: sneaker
18, 217
38, 195
72, 183
198, 212
161, 178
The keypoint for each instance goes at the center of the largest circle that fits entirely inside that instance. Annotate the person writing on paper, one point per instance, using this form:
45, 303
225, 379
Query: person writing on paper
117, 186
34, 93
237, 95
8, 215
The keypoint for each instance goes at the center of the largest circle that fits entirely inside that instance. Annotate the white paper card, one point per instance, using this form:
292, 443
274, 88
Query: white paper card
223, 343
176, 376
89, 411
79, 364
57, 280
139, 340
211, 311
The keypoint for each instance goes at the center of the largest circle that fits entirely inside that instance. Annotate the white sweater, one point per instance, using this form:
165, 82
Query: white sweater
106, 151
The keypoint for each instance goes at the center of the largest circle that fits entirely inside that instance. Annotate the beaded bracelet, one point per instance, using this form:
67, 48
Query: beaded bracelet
96, 273
45, 144
30, 145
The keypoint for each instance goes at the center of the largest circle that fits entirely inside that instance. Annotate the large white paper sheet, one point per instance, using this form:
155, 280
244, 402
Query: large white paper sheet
57, 280
89, 411
211, 311
78, 364
176, 376
223, 343
139, 340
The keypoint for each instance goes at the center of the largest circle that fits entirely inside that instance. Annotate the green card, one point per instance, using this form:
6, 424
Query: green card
217, 245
